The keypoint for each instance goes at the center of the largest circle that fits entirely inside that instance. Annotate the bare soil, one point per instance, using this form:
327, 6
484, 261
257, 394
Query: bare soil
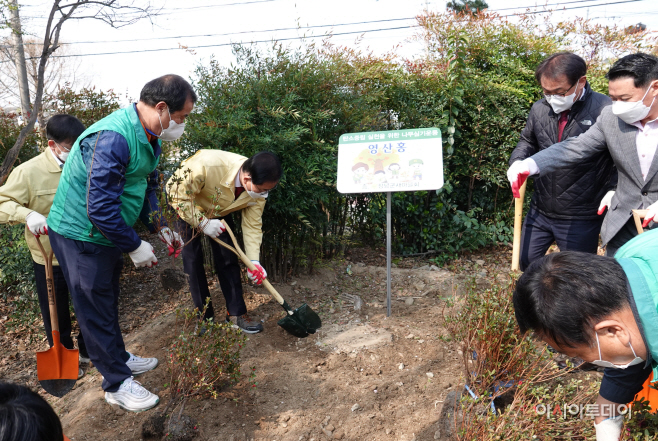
363, 376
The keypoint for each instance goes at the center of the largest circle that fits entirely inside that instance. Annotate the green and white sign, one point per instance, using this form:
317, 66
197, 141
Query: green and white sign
394, 160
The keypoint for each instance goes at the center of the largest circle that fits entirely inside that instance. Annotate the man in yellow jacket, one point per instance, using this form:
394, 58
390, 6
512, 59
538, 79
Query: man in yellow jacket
210, 186
26, 198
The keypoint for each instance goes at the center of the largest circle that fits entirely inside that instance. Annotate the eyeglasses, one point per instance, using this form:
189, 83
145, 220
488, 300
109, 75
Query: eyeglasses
62, 147
562, 95
261, 191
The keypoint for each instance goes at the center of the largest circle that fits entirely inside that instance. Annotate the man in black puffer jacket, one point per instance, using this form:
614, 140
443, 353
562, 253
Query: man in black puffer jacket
565, 205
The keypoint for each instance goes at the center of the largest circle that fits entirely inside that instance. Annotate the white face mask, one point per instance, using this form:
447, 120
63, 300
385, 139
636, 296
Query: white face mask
561, 103
63, 154
255, 195
607, 364
173, 132
632, 111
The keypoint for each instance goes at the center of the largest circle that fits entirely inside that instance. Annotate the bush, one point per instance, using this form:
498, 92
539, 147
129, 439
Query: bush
17, 279
515, 383
9, 130
203, 357
296, 104
87, 104
475, 82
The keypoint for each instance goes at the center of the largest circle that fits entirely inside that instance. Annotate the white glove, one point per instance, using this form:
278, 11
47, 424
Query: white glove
652, 211
606, 201
144, 256
519, 172
257, 276
610, 429
36, 223
213, 227
172, 240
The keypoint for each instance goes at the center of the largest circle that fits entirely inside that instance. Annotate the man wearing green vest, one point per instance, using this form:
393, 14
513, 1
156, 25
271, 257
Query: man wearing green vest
100, 195
603, 310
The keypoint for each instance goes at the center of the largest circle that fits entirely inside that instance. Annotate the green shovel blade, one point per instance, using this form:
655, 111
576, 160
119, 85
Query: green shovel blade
302, 322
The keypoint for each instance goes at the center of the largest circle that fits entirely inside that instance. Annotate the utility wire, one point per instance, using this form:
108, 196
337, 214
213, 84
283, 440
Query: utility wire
312, 36
237, 33
330, 25
217, 45
547, 4
575, 7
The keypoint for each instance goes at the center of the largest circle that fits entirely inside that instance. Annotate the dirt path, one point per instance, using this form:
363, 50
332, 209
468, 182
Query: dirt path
363, 377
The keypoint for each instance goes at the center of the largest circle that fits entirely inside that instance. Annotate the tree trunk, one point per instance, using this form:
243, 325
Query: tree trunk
21, 69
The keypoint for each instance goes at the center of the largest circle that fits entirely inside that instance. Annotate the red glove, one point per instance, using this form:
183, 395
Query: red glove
258, 275
652, 211
517, 174
36, 223
606, 201
173, 241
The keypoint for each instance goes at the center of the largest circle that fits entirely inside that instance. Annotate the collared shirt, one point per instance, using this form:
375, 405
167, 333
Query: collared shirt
57, 160
646, 142
238, 186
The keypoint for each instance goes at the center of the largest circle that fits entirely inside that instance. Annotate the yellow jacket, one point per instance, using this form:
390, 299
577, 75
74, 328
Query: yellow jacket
31, 187
208, 179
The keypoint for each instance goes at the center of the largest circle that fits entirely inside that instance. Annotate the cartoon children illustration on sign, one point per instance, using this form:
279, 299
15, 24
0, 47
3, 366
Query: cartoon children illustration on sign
417, 166
359, 171
380, 176
395, 171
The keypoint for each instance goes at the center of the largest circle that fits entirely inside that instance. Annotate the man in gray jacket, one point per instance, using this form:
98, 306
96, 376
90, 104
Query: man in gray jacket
628, 130
565, 202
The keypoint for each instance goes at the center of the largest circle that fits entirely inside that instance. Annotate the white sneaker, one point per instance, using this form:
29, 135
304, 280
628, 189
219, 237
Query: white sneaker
139, 365
132, 396
84, 360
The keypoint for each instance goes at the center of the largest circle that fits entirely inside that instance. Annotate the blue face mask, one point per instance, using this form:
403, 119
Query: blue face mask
607, 364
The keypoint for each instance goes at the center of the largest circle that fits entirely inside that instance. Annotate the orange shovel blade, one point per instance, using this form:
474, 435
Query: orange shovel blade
57, 363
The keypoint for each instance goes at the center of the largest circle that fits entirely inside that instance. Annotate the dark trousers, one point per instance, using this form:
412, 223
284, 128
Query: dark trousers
539, 233
226, 267
63, 313
92, 273
627, 232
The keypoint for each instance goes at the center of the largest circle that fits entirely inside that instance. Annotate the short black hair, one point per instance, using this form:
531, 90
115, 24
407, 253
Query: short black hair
25, 416
643, 68
64, 128
562, 63
563, 295
172, 89
263, 167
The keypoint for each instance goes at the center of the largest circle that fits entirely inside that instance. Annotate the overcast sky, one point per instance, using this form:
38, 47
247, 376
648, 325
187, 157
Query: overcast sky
196, 23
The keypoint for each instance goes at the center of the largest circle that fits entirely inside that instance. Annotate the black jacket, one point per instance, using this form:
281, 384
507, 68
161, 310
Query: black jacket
574, 192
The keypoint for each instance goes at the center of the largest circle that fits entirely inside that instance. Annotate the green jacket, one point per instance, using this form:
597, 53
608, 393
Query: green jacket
639, 261
104, 181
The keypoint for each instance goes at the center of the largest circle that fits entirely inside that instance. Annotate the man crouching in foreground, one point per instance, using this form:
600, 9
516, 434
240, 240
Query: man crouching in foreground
603, 310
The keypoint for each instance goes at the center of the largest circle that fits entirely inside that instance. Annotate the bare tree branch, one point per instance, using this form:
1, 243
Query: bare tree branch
116, 13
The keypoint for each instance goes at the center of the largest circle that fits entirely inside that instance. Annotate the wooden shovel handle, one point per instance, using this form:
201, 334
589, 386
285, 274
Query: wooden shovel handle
638, 215
238, 251
52, 303
518, 225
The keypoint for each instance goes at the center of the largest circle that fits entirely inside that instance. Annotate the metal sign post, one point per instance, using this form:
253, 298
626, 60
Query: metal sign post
388, 254
395, 160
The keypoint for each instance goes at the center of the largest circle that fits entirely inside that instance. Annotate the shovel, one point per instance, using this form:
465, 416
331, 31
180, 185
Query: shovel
638, 215
57, 368
518, 225
299, 322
